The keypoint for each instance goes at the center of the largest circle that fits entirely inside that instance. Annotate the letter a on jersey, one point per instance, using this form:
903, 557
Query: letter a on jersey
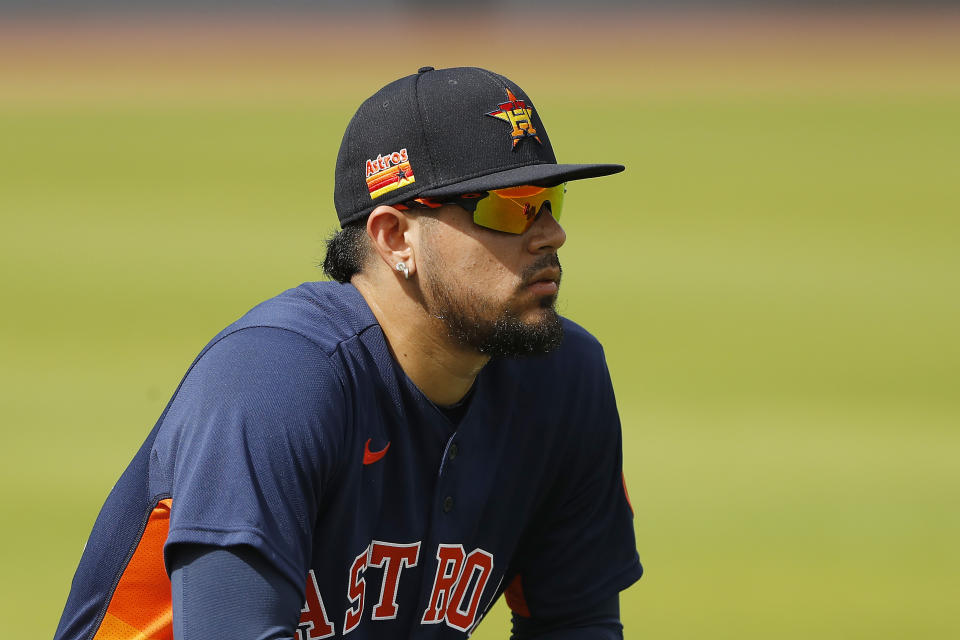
314, 623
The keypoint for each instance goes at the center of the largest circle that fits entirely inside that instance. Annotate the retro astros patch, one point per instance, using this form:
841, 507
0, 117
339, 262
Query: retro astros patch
388, 172
519, 116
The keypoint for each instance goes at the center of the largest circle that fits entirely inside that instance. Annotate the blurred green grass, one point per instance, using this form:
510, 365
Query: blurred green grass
774, 280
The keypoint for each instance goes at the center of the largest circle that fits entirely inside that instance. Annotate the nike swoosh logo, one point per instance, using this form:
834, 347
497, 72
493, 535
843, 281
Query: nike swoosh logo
369, 457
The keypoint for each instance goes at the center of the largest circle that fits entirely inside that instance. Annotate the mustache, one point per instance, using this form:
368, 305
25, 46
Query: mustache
544, 262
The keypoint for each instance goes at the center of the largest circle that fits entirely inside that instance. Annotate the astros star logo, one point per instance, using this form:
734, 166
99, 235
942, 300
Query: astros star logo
518, 115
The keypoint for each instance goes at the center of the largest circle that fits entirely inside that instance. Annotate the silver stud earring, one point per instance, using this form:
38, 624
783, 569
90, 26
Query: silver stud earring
402, 268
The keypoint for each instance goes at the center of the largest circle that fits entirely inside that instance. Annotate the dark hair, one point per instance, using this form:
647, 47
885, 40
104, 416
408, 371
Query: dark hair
346, 252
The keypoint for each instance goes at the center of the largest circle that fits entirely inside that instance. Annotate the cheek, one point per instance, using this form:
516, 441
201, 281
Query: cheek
485, 276
474, 261
465, 261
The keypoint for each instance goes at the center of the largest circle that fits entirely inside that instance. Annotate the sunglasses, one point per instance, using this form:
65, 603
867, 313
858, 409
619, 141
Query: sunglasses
511, 210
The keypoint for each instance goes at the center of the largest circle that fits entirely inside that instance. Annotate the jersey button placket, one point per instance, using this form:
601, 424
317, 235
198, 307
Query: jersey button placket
453, 450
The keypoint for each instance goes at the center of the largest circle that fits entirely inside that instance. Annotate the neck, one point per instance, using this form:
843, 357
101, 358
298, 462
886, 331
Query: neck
442, 369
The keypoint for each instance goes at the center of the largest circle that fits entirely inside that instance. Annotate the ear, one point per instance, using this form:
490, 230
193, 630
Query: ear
391, 234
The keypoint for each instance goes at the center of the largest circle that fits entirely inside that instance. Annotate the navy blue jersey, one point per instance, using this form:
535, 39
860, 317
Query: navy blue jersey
295, 432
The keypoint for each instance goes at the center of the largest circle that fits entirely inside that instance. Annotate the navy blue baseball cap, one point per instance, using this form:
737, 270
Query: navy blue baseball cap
440, 133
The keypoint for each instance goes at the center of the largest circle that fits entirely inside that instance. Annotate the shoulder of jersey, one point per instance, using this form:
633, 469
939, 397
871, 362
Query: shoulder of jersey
577, 336
326, 313
578, 343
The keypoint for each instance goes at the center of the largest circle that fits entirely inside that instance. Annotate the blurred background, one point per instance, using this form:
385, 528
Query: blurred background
774, 277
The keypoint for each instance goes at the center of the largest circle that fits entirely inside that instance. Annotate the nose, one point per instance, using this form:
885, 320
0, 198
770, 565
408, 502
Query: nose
546, 234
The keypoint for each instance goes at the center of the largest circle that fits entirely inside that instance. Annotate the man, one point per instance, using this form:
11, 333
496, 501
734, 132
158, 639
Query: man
386, 455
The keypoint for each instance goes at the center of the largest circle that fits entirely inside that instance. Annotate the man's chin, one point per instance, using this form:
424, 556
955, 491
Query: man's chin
536, 317
538, 309
536, 332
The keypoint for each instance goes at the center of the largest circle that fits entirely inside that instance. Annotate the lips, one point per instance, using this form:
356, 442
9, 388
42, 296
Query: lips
543, 276
545, 282
544, 287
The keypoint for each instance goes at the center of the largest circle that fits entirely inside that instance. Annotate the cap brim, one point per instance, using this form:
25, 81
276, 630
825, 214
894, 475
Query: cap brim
545, 175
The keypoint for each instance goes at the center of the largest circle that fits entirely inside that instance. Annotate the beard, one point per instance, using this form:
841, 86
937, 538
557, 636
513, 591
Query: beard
498, 330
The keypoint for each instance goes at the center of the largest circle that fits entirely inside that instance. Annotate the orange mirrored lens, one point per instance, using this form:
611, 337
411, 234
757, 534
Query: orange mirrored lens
514, 210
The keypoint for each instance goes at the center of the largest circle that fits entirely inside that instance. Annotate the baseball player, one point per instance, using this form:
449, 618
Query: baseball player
386, 455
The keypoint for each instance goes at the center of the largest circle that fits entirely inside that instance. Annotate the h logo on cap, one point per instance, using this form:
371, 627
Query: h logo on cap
518, 115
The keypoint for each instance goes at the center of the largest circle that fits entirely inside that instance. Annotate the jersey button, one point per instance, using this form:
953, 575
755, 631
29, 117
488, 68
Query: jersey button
448, 504
454, 451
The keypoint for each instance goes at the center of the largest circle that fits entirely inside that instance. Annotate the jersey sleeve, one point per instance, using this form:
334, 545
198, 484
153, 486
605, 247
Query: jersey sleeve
580, 549
254, 435
230, 593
